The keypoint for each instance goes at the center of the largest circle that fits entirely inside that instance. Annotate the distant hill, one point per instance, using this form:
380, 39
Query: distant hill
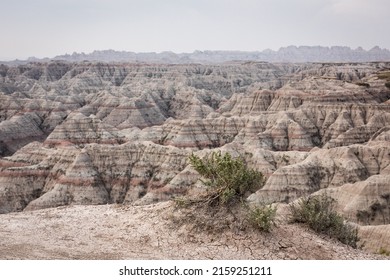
285, 54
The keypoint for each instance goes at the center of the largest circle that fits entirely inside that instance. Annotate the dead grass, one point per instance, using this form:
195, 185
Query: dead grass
385, 75
211, 220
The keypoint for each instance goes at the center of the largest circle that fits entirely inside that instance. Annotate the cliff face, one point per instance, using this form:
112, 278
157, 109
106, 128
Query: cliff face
97, 133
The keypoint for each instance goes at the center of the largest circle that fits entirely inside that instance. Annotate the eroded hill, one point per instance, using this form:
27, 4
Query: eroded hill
97, 133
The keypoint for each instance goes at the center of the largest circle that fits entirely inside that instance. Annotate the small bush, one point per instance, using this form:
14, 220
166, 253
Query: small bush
318, 212
227, 179
262, 217
384, 252
363, 84
222, 206
384, 75
387, 84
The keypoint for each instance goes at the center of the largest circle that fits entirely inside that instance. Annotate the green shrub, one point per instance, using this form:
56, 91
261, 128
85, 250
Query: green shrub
318, 212
222, 206
363, 84
385, 75
262, 217
227, 179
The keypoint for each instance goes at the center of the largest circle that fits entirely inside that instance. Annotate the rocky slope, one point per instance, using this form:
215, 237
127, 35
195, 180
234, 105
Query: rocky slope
97, 133
148, 232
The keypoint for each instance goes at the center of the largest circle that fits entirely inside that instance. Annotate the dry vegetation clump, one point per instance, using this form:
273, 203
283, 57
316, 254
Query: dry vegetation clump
319, 214
385, 75
384, 252
222, 206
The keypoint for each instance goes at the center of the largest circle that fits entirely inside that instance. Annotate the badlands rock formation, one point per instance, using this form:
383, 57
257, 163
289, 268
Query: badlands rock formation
98, 133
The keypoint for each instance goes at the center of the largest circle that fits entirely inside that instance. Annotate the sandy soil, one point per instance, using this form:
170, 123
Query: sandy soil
148, 232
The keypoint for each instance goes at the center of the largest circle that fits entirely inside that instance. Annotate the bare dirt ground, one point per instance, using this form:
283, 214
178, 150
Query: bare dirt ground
148, 232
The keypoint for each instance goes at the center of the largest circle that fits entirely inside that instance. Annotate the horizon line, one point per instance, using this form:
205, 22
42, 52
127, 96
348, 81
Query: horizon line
359, 48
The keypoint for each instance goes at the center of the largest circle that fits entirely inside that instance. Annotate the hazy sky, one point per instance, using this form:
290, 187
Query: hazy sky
52, 27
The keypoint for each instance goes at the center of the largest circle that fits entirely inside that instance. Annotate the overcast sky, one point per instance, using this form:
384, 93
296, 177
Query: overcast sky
45, 28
